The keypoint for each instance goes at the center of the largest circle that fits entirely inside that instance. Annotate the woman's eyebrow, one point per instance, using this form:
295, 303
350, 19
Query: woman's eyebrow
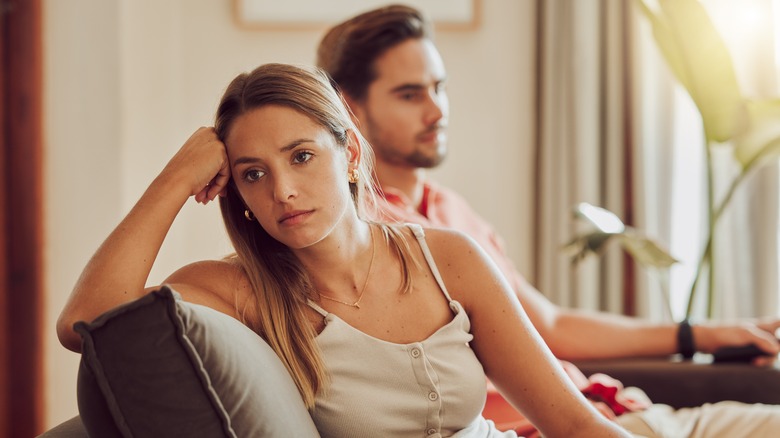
293, 144
245, 160
288, 147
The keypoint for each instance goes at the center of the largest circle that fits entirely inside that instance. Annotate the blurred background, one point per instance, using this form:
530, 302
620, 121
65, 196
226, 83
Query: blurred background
553, 102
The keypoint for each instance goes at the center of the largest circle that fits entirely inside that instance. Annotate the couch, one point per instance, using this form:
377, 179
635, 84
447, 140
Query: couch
160, 366
163, 367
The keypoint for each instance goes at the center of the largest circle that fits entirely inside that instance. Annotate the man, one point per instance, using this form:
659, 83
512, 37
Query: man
392, 76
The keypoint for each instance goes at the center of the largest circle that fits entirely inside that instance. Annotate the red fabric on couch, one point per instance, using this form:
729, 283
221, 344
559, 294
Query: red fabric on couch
598, 387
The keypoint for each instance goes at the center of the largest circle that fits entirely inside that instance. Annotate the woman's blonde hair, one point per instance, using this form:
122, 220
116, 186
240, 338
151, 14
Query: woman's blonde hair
280, 283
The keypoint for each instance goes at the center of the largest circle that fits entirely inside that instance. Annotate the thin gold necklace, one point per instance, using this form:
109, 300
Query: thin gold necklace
356, 304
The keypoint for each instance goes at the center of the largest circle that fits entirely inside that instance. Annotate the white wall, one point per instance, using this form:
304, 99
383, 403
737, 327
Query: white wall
127, 81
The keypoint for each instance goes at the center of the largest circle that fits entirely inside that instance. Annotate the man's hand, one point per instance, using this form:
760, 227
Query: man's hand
710, 336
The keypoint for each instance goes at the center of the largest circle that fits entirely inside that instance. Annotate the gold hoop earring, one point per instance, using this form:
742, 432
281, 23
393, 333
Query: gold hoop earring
248, 215
354, 176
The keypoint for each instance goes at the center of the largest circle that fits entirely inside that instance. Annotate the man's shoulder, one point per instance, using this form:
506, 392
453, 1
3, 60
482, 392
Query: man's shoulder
394, 209
443, 197
444, 207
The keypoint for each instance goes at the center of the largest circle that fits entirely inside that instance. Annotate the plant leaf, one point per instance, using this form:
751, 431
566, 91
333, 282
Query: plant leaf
760, 134
586, 244
665, 39
698, 57
645, 251
601, 218
642, 249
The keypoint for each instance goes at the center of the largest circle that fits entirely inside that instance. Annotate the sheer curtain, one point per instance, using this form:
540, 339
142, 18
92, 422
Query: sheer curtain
673, 168
747, 258
585, 146
615, 129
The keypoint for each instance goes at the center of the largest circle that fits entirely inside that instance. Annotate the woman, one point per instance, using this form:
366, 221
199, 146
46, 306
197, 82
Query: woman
383, 328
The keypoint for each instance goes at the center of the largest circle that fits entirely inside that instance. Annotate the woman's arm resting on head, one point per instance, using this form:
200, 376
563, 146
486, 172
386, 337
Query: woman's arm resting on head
118, 271
511, 351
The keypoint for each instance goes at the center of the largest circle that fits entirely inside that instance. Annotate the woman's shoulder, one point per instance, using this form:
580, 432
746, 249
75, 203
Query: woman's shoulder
448, 239
221, 271
465, 267
451, 249
216, 283
437, 239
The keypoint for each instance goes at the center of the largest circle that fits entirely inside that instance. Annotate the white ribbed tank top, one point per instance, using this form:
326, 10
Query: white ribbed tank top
432, 388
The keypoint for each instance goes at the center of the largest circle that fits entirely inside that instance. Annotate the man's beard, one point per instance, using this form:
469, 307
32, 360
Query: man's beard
420, 159
416, 159
384, 147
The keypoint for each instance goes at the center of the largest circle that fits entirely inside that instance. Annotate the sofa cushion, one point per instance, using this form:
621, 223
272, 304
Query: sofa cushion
686, 383
160, 366
72, 428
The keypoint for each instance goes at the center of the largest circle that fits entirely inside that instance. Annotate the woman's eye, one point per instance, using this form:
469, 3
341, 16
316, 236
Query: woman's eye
253, 175
302, 157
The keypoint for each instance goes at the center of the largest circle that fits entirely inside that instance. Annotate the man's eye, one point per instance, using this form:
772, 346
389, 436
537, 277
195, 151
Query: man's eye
302, 157
409, 96
253, 175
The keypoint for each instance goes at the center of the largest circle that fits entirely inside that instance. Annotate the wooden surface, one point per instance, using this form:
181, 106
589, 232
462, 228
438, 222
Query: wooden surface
22, 289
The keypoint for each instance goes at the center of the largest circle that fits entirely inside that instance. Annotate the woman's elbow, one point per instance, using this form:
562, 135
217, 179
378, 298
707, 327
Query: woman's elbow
65, 333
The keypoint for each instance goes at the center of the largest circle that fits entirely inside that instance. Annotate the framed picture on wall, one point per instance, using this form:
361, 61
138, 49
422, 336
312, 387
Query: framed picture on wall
446, 14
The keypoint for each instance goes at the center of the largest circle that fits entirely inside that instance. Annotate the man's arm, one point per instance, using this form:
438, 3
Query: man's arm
579, 334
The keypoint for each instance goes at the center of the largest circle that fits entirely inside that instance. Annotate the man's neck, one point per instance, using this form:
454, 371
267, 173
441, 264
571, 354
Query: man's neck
408, 181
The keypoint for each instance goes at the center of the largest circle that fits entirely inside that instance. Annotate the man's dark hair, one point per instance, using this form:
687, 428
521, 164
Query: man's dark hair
348, 51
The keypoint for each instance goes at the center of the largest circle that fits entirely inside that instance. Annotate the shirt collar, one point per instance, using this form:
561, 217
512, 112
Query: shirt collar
397, 197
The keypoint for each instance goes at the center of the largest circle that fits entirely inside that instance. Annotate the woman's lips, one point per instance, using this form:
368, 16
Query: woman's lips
295, 217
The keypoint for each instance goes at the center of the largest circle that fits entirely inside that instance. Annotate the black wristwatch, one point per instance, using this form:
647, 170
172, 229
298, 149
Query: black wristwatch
685, 345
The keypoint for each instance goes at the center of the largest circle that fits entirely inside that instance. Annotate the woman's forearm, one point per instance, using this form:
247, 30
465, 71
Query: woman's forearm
118, 271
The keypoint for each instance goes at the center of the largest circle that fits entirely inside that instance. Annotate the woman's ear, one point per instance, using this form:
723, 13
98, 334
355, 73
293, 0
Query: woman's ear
353, 149
355, 109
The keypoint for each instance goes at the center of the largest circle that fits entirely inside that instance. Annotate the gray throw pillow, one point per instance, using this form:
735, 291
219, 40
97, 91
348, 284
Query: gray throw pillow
162, 367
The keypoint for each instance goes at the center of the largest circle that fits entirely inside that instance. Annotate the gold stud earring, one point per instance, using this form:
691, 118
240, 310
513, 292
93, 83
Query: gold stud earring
248, 215
354, 176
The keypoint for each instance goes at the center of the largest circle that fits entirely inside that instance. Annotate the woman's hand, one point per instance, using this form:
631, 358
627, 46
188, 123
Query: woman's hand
202, 164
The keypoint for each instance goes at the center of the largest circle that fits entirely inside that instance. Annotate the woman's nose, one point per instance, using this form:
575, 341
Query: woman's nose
284, 189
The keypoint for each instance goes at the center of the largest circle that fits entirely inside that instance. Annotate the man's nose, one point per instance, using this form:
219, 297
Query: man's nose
435, 107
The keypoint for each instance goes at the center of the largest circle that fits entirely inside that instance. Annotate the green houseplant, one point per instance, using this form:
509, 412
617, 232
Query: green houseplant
699, 59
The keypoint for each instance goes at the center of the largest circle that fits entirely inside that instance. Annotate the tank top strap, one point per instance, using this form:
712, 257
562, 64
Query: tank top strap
316, 307
420, 235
